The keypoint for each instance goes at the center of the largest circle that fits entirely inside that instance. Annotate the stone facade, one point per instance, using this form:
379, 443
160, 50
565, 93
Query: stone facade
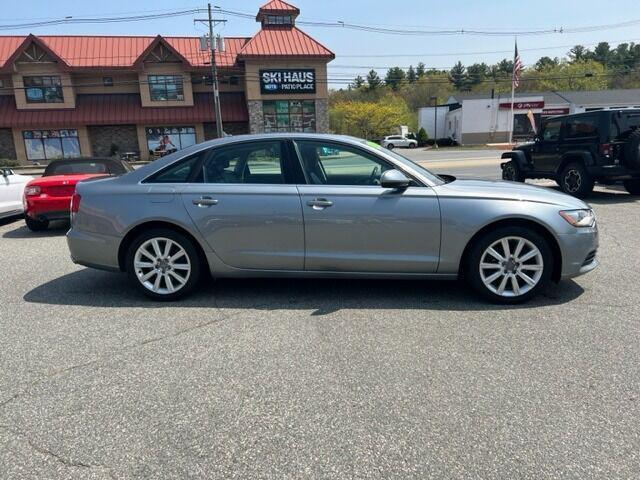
231, 128
322, 115
102, 137
7, 148
256, 119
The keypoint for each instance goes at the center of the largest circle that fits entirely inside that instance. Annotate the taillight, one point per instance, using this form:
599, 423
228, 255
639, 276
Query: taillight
32, 191
605, 149
75, 202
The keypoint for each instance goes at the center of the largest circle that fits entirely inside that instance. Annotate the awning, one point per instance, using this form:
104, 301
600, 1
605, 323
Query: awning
123, 109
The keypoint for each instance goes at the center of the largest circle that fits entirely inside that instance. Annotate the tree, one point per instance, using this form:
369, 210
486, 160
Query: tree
358, 82
546, 62
602, 53
476, 74
420, 70
578, 53
584, 75
411, 75
371, 120
373, 80
394, 77
422, 137
458, 76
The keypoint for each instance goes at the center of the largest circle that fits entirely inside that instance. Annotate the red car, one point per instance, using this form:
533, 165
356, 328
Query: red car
49, 197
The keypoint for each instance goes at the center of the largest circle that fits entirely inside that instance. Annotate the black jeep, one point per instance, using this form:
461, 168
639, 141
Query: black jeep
578, 150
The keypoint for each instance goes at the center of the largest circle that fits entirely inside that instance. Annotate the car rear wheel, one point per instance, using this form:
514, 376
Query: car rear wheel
632, 186
510, 265
575, 180
390, 146
512, 172
163, 264
36, 225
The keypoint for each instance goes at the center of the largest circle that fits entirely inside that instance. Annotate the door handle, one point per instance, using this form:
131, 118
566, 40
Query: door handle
320, 203
205, 201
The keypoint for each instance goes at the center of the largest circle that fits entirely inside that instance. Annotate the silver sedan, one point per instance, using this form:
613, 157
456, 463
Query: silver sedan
324, 206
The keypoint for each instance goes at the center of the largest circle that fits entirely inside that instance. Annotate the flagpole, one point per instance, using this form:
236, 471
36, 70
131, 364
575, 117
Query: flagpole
513, 94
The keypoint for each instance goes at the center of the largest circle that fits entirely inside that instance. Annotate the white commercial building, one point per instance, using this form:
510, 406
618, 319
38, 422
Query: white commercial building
478, 118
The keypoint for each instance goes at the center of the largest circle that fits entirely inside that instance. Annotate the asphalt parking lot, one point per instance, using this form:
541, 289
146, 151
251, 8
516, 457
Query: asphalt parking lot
320, 378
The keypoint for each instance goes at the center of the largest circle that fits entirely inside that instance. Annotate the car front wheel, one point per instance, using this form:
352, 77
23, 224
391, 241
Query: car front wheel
511, 172
163, 264
510, 265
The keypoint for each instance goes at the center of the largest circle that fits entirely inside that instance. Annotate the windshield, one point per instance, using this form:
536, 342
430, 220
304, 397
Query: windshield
409, 163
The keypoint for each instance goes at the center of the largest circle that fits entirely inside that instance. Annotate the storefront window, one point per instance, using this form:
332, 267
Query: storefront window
165, 88
289, 116
43, 89
164, 140
51, 144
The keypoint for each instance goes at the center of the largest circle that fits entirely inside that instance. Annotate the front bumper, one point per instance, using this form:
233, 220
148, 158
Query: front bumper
579, 251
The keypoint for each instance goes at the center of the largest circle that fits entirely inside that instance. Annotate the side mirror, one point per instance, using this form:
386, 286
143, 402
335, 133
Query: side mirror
537, 139
6, 172
394, 179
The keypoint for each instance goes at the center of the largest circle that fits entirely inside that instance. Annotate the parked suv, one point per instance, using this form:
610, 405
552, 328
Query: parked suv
578, 150
393, 141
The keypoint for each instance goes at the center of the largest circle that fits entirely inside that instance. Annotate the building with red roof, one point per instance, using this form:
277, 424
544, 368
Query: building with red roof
66, 95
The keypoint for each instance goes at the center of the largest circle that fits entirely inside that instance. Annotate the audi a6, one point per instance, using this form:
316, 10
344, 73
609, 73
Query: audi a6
314, 205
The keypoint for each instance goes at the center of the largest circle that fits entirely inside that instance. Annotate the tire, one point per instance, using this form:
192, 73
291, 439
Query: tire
575, 180
412, 145
530, 274
390, 146
632, 186
36, 225
511, 172
166, 280
632, 150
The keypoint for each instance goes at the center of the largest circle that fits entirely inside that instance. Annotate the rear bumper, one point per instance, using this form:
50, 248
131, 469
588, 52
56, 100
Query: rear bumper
48, 208
93, 250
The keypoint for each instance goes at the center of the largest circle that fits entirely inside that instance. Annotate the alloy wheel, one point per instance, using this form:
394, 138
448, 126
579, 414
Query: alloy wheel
162, 265
511, 266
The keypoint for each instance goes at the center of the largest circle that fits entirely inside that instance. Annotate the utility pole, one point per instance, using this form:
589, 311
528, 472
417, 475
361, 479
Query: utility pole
214, 70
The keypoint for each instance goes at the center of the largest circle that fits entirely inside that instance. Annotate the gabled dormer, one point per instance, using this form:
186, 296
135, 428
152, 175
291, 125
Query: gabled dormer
165, 80
277, 13
40, 77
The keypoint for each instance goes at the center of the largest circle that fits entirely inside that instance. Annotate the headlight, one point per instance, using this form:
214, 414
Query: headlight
579, 218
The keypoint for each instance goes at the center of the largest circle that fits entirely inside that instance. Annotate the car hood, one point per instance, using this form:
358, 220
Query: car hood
502, 190
64, 179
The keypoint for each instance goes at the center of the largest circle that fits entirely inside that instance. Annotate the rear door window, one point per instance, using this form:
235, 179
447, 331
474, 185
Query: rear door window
581, 127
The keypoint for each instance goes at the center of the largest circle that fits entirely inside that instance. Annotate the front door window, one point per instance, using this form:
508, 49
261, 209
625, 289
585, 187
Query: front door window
327, 163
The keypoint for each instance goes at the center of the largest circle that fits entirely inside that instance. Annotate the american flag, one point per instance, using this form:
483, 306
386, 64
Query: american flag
517, 68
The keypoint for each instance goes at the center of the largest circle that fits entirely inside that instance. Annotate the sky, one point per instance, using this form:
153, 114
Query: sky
359, 51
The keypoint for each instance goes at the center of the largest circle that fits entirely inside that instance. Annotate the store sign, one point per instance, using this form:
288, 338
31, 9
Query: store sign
299, 80
522, 105
552, 112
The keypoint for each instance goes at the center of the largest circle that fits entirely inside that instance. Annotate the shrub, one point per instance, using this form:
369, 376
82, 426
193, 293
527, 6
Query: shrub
7, 162
423, 138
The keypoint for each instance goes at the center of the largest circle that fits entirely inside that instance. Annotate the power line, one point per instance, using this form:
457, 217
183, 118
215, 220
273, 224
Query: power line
451, 31
485, 52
